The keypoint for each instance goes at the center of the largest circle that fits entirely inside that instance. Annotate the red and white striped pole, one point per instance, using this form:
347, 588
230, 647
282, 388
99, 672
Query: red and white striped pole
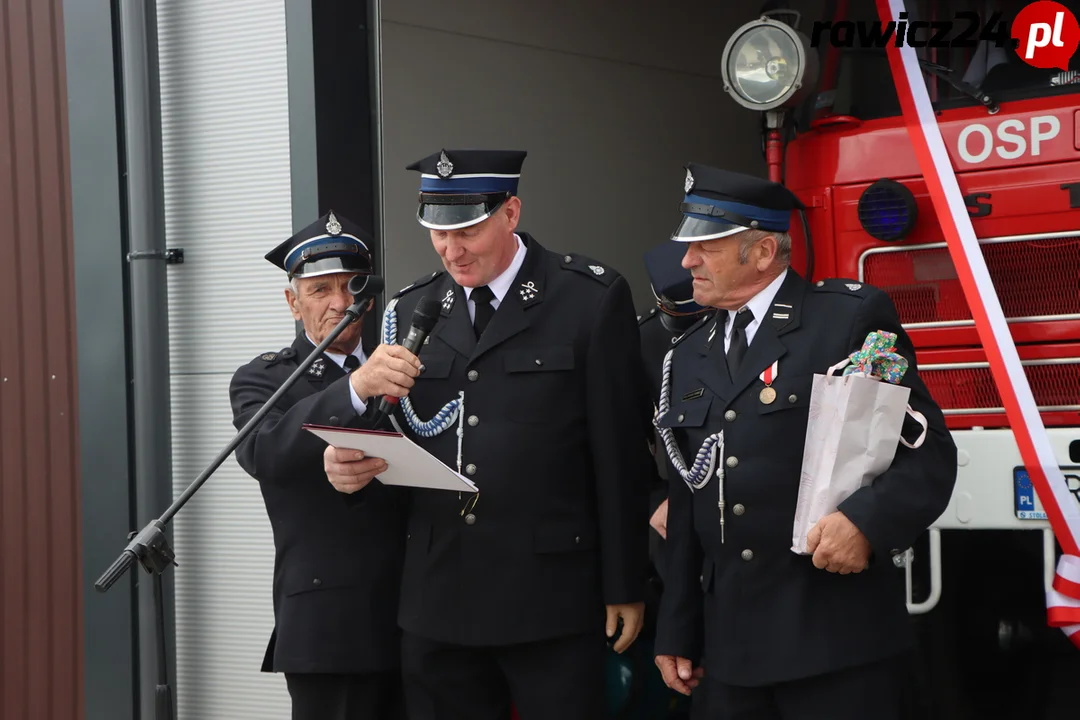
1063, 601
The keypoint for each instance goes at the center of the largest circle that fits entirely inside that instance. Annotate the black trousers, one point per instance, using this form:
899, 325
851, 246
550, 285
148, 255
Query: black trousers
867, 692
559, 679
370, 696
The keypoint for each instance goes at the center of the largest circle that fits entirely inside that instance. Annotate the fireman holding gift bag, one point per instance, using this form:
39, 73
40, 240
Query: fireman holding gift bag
855, 424
787, 635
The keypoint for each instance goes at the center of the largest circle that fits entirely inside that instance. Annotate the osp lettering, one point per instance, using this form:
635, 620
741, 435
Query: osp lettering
1009, 133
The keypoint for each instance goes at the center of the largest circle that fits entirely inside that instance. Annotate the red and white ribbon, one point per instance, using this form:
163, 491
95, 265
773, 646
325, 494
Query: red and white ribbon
1063, 602
769, 374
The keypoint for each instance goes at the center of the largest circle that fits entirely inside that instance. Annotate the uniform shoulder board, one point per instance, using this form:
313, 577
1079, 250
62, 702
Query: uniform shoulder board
588, 266
642, 319
706, 321
843, 286
421, 282
272, 358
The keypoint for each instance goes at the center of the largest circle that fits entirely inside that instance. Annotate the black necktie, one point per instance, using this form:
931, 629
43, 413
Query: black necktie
351, 363
482, 296
737, 350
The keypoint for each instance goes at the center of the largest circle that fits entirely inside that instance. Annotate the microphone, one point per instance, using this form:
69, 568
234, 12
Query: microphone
424, 318
361, 286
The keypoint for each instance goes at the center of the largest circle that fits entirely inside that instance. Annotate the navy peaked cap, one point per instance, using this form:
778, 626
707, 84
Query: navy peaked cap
672, 285
331, 244
459, 188
719, 203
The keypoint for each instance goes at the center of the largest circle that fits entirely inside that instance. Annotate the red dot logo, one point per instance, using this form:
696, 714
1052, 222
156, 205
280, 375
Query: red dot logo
1047, 34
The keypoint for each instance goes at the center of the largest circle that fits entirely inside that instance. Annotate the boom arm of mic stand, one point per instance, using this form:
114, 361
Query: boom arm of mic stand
149, 546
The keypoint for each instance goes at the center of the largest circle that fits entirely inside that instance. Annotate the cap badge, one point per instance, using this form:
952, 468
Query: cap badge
597, 269
853, 286
332, 225
444, 167
689, 184
528, 290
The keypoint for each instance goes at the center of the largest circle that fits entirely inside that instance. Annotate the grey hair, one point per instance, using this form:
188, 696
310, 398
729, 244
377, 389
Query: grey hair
783, 245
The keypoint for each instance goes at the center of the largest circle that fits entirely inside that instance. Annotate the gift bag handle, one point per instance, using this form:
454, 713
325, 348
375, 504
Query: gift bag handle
839, 366
921, 419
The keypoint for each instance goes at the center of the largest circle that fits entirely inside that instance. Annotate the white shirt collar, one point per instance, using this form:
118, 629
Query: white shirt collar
759, 305
340, 359
501, 285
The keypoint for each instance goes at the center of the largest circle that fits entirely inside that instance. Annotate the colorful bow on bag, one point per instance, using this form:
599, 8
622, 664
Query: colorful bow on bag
878, 358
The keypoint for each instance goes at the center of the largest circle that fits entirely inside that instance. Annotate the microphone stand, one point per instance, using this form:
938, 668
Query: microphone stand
151, 548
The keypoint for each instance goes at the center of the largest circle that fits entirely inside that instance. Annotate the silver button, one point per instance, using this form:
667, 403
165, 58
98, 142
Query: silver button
567, 258
681, 418
729, 415
792, 398
732, 461
820, 283
738, 509
577, 539
316, 582
747, 555
470, 519
539, 361
473, 420
470, 469
473, 375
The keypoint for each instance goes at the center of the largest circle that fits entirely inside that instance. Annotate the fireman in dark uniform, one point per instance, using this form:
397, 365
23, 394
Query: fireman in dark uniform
784, 636
336, 569
532, 388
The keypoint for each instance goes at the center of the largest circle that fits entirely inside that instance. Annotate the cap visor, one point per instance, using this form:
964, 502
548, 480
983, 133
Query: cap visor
451, 217
693, 229
328, 265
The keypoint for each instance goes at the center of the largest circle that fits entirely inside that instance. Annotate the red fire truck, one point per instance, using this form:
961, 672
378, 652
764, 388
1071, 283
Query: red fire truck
833, 132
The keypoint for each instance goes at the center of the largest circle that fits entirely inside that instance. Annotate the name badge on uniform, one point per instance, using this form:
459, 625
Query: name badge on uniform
693, 394
768, 375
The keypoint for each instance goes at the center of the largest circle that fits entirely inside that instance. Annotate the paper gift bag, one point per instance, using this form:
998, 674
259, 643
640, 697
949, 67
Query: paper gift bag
854, 426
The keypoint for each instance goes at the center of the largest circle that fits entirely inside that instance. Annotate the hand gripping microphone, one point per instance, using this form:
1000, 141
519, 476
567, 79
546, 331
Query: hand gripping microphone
424, 318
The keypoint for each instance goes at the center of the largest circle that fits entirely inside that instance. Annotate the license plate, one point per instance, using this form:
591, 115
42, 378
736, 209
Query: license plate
1026, 501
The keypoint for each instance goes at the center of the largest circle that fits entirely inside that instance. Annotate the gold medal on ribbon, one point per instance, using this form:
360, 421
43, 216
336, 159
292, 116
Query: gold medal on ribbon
768, 375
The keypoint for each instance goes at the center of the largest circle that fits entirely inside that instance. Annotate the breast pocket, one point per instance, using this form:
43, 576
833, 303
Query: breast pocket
791, 393
539, 381
435, 367
688, 414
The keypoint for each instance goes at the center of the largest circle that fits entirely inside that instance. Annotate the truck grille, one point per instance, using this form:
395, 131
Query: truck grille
1037, 277
969, 388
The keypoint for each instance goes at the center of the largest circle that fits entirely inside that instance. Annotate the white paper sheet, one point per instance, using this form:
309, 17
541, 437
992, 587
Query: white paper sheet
408, 464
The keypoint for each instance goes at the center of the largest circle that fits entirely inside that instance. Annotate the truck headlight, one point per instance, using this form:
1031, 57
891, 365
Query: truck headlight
768, 64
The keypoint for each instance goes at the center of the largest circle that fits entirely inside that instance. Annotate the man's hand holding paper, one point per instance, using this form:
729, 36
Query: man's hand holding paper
350, 470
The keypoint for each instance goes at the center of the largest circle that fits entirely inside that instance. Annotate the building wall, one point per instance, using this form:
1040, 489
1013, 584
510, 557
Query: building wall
611, 100
227, 183
40, 574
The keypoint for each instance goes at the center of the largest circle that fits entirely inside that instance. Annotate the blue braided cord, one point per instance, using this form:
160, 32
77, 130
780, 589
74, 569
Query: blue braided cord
696, 476
445, 417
